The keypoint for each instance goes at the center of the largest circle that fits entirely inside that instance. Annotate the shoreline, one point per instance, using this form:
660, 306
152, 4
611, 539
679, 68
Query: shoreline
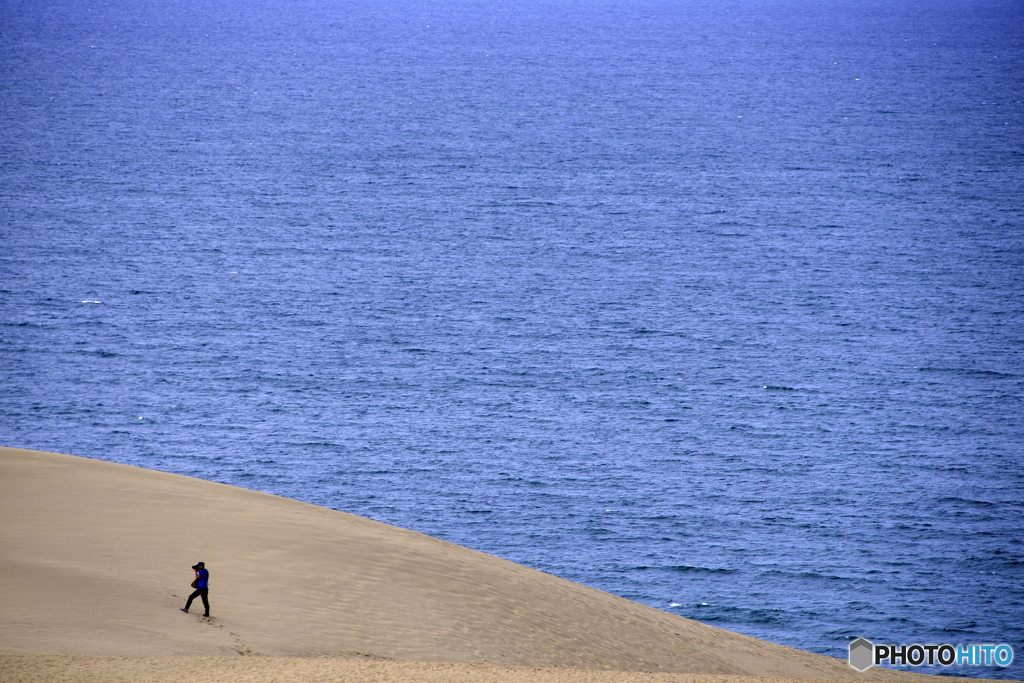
97, 564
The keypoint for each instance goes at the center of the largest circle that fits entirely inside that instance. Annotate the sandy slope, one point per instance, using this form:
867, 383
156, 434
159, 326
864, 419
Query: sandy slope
95, 563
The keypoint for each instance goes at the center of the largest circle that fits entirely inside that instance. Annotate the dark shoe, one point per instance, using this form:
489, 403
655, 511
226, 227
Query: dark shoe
184, 610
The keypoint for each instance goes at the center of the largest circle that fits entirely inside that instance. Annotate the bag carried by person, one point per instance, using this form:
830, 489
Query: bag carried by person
195, 582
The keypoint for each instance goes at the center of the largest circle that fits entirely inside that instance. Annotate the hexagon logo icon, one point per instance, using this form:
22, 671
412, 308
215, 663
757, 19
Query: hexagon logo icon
862, 654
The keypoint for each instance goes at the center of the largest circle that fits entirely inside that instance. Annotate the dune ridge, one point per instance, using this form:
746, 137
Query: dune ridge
95, 566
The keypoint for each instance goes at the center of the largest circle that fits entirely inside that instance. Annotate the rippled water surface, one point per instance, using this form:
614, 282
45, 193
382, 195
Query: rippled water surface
715, 306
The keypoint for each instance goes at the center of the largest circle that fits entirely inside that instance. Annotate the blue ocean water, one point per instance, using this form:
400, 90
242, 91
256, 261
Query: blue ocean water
717, 306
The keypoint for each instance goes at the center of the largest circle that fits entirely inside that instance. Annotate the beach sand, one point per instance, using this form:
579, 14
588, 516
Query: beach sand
95, 564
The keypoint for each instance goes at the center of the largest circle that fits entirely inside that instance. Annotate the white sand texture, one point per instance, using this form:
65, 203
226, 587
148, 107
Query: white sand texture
95, 563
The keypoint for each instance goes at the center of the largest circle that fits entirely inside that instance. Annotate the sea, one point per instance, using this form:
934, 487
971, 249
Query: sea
714, 305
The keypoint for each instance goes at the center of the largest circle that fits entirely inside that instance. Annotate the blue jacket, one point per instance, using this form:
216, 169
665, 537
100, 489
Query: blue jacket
204, 576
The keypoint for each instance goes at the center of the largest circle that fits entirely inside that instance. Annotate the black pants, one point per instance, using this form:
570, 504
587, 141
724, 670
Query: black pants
200, 593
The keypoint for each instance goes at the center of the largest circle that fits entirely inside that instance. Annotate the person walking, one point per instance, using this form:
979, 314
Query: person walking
202, 586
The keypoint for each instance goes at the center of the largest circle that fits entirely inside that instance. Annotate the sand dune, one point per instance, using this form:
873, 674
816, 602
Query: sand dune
95, 564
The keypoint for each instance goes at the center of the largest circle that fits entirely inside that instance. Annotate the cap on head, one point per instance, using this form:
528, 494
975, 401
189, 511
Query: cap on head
200, 564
